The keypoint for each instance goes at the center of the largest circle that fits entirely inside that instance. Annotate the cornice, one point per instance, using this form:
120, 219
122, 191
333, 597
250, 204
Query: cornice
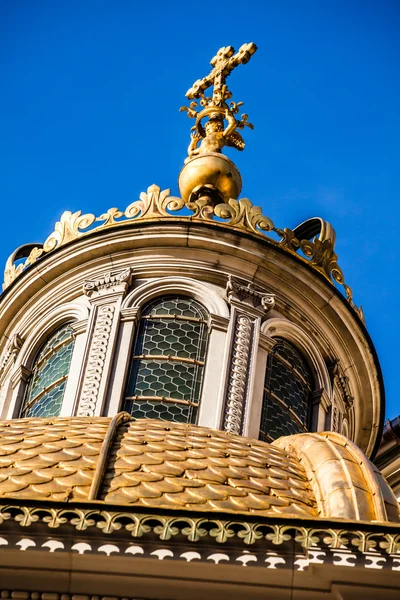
223, 528
239, 215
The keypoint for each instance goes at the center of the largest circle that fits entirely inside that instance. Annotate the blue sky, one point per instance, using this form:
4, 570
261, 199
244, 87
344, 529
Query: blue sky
90, 117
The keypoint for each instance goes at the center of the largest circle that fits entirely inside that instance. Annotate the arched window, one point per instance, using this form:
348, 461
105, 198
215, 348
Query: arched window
287, 393
168, 361
46, 387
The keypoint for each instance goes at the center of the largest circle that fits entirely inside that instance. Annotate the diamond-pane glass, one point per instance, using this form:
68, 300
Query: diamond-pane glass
168, 361
46, 387
287, 388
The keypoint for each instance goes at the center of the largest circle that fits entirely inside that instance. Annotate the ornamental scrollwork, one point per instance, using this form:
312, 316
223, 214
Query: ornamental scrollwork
241, 215
165, 527
154, 204
97, 357
68, 228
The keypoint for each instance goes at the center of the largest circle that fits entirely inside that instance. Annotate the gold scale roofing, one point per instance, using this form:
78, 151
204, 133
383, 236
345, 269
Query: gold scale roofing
157, 464
147, 463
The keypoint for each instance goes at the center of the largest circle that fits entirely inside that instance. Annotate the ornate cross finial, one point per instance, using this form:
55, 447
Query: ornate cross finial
214, 135
223, 62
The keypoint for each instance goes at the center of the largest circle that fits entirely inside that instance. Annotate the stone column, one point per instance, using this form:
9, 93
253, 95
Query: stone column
106, 294
122, 355
7, 363
248, 307
210, 408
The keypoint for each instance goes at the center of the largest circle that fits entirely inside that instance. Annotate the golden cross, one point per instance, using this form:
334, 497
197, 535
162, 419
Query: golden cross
223, 62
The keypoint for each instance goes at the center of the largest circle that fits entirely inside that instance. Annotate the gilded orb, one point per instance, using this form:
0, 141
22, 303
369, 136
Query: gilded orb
210, 169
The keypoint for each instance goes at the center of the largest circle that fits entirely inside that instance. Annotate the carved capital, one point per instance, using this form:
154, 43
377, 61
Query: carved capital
129, 314
246, 295
218, 323
339, 378
266, 343
112, 281
79, 326
11, 352
21, 374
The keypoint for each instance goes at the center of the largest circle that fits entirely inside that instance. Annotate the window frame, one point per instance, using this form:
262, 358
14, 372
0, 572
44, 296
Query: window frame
140, 330
304, 427
74, 313
47, 356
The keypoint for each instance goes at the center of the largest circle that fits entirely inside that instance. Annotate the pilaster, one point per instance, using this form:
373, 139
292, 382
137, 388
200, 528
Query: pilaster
105, 294
19, 380
6, 368
248, 307
210, 407
121, 363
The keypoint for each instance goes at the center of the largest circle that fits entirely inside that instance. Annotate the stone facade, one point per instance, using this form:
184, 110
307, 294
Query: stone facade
101, 295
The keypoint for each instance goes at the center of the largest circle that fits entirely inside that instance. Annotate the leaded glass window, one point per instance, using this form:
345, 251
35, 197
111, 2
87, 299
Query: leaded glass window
168, 361
46, 387
287, 392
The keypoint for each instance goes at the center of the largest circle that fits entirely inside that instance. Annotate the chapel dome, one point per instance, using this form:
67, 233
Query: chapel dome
159, 464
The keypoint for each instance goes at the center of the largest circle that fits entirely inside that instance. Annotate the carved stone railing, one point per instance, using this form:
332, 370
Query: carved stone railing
241, 215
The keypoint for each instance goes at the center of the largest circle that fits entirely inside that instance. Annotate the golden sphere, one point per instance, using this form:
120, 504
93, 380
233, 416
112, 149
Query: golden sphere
210, 169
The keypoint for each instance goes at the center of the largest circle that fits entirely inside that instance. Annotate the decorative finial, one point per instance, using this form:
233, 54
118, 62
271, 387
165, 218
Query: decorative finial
214, 135
219, 176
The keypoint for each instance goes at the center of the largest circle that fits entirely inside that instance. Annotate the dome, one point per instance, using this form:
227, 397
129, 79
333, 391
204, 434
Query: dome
158, 464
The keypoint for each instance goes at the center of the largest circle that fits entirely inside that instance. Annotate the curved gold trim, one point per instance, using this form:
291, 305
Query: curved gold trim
240, 215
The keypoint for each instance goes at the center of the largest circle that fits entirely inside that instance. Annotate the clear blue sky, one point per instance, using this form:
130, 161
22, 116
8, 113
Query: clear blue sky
89, 112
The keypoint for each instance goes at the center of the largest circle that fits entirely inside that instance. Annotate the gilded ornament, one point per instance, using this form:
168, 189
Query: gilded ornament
154, 204
356, 537
205, 165
68, 228
214, 135
240, 214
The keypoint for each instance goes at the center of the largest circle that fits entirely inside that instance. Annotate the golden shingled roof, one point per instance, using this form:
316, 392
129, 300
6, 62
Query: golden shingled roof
172, 466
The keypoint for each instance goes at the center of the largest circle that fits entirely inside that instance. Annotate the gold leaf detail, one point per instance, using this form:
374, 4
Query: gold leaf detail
68, 228
154, 203
241, 213
110, 217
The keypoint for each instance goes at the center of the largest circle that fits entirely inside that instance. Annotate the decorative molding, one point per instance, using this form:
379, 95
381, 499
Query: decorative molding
239, 215
112, 280
282, 327
238, 374
129, 314
6, 366
79, 326
11, 352
379, 538
249, 305
217, 322
339, 377
41, 326
96, 361
21, 374
247, 294
207, 294
266, 342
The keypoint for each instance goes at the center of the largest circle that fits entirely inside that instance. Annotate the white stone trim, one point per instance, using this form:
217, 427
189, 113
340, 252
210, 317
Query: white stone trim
218, 314
206, 294
121, 362
253, 425
211, 393
281, 327
67, 313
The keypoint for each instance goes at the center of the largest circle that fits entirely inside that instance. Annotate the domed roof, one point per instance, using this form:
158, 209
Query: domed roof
176, 466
